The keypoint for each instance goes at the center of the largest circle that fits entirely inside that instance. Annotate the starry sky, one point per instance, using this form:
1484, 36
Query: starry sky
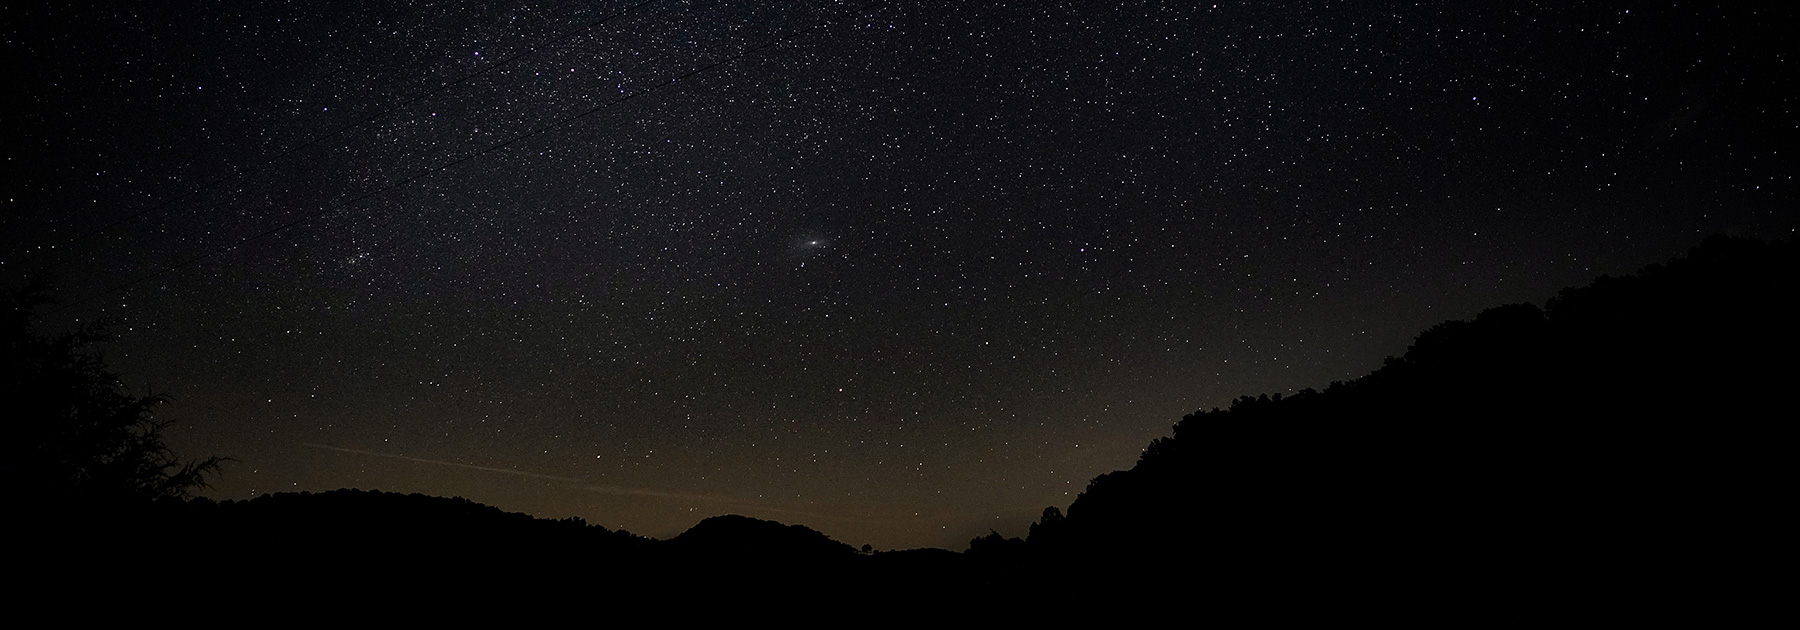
901, 271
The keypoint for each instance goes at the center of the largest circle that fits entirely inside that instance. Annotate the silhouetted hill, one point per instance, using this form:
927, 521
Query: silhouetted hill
358, 517
1624, 447
355, 547
1619, 442
442, 555
745, 538
333, 548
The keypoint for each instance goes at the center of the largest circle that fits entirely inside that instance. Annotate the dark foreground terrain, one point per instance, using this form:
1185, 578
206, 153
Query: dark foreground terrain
1622, 450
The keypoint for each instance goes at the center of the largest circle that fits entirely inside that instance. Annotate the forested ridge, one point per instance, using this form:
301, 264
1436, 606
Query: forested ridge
1628, 439
1625, 443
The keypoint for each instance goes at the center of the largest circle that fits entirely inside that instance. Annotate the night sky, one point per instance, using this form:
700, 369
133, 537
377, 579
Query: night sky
898, 271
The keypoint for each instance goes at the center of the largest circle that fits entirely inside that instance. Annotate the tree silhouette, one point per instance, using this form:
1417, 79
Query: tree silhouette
77, 438
1625, 442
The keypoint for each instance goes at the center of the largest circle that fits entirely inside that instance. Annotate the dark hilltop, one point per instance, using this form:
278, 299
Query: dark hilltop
1619, 447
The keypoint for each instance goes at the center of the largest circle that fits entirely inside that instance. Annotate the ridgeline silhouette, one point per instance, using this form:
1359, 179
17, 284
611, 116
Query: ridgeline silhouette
1625, 443
1622, 448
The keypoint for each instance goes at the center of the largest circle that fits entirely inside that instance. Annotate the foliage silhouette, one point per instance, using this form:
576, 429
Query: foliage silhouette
993, 545
1617, 442
1624, 445
79, 440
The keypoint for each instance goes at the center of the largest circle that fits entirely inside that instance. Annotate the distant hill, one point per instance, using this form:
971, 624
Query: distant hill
1627, 437
745, 538
380, 548
1624, 447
